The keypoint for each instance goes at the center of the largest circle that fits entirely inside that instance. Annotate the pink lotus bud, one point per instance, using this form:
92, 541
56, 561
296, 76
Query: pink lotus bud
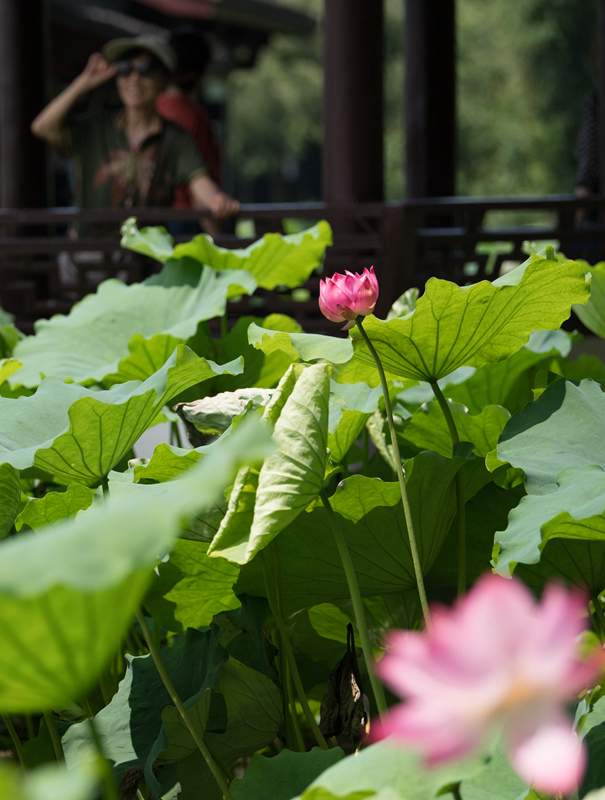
342, 298
498, 661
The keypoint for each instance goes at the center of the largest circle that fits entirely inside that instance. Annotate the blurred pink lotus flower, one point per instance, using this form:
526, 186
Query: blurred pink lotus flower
497, 662
342, 298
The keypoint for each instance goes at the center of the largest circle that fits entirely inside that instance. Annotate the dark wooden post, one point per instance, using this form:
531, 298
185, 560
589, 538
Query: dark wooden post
430, 98
353, 101
22, 157
601, 94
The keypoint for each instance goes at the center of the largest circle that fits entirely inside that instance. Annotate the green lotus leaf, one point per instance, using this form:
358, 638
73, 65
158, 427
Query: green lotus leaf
593, 313
496, 782
168, 462
580, 495
290, 479
388, 767
274, 260
455, 326
8, 366
96, 341
10, 498
153, 241
55, 507
283, 776
67, 597
304, 346
486, 513
593, 733
51, 782
78, 434
427, 428
189, 589
554, 432
371, 517
132, 722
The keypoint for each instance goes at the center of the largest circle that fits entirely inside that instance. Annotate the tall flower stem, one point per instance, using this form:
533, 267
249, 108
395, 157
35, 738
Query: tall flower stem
287, 648
54, 735
358, 607
400, 477
598, 608
193, 730
447, 413
16, 741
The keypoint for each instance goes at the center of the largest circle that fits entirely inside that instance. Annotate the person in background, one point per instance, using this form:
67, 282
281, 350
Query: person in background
134, 157
180, 104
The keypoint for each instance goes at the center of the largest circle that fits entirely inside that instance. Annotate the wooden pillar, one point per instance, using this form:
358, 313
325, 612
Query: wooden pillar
430, 97
22, 157
601, 95
353, 101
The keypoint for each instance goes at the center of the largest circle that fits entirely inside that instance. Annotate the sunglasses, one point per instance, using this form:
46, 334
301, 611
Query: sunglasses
145, 68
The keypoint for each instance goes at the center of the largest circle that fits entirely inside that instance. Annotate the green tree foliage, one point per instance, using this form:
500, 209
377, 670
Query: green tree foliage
523, 68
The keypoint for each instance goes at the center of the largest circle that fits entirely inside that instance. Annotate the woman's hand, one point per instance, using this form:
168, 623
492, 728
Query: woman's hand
223, 205
96, 72
206, 194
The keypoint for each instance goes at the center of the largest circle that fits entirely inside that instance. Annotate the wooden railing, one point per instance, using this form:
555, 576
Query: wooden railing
44, 269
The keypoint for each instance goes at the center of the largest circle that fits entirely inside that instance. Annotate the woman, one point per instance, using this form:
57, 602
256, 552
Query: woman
133, 157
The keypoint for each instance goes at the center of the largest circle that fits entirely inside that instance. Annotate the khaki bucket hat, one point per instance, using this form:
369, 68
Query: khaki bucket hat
116, 48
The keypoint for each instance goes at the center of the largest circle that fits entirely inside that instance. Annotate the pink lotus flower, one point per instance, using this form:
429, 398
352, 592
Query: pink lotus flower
342, 298
497, 662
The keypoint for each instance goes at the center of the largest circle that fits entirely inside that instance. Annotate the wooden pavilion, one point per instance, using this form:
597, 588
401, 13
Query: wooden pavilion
430, 232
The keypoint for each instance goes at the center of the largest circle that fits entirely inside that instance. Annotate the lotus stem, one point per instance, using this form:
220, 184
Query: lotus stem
197, 738
358, 606
15, 740
287, 648
447, 413
400, 477
598, 608
54, 736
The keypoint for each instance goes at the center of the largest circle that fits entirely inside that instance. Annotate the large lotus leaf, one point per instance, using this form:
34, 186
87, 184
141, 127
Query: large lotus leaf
455, 326
580, 493
7, 367
290, 479
90, 343
261, 370
242, 632
283, 776
51, 782
274, 260
131, 723
79, 435
385, 766
507, 383
168, 462
154, 241
593, 313
306, 346
10, 497
189, 589
593, 733
554, 432
68, 596
254, 712
496, 782
371, 517
486, 513
427, 428
55, 507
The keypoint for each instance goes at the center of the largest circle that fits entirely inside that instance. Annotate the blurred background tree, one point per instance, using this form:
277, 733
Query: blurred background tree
524, 67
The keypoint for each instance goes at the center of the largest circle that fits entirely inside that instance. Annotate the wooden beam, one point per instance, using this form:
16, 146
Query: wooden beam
430, 97
22, 157
353, 101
